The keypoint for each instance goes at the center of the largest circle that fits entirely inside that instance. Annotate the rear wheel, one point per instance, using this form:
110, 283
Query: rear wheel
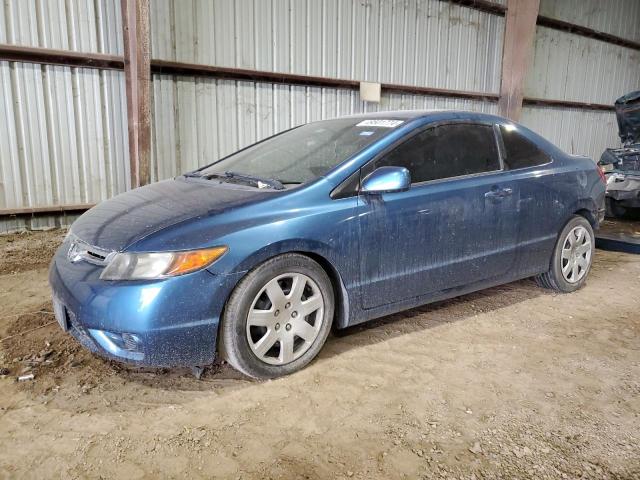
278, 317
572, 257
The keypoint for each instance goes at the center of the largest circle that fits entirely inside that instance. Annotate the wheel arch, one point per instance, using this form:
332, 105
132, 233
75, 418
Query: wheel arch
317, 252
586, 208
586, 213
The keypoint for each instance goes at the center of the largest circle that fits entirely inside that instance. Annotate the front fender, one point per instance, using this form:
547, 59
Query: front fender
319, 252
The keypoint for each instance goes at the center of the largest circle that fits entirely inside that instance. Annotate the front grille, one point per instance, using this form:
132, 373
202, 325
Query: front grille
79, 250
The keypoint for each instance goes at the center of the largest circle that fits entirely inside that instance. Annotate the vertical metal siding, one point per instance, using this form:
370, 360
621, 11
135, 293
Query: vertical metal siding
198, 120
616, 17
77, 25
575, 131
573, 67
63, 138
63, 134
412, 42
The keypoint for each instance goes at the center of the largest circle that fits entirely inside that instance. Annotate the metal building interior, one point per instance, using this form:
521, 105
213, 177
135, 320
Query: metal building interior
98, 97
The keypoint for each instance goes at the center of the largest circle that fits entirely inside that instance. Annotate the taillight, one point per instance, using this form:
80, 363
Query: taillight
601, 173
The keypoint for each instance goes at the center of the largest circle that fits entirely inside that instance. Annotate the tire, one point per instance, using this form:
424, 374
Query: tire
614, 209
577, 253
266, 331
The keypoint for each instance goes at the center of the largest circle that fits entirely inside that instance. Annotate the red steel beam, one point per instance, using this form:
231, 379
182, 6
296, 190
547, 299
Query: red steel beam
78, 207
194, 69
556, 24
50, 56
137, 71
95, 60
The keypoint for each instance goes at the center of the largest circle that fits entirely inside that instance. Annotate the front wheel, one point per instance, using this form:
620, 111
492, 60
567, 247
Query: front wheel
572, 257
278, 317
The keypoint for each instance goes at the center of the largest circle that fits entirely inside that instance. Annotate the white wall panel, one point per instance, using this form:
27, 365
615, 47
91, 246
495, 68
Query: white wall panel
78, 25
63, 138
414, 42
199, 120
573, 67
576, 131
616, 17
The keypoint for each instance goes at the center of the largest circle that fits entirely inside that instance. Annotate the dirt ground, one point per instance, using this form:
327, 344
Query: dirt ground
511, 382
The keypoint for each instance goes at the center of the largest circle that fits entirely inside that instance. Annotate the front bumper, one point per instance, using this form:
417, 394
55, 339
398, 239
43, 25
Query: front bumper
166, 323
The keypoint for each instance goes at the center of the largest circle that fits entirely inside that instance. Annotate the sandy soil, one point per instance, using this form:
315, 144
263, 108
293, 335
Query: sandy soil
512, 382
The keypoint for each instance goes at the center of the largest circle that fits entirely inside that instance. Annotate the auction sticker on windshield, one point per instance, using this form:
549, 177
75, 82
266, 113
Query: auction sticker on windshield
380, 123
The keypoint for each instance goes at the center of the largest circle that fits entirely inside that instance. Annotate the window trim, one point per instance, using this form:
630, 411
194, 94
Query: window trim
504, 149
367, 167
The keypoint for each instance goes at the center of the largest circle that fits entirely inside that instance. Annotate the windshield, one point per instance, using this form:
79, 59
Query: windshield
304, 153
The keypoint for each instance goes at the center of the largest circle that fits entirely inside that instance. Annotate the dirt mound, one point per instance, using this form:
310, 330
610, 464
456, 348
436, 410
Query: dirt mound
36, 345
28, 250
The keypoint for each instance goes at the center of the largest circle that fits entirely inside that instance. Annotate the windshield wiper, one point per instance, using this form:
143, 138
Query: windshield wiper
260, 182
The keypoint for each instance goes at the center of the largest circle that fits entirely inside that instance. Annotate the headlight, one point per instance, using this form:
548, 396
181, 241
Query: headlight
148, 266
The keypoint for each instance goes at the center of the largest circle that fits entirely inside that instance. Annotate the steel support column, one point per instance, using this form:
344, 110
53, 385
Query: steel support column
137, 69
519, 38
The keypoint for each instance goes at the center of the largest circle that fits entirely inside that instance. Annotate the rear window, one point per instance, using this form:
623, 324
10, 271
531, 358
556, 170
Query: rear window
520, 152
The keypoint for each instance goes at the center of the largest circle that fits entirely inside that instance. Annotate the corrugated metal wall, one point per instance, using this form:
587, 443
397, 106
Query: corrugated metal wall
410, 42
197, 120
616, 17
572, 67
426, 42
576, 68
63, 133
574, 130
76, 25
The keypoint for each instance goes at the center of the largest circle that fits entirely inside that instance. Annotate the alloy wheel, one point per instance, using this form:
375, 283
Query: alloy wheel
285, 318
576, 254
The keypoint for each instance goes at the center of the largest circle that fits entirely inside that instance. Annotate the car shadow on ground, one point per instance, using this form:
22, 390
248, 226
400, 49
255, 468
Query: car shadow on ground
68, 362
432, 315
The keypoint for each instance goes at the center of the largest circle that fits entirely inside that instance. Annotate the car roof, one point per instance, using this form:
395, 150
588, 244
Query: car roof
436, 114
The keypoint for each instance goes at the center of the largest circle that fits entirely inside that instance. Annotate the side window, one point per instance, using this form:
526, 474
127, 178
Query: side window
520, 152
446, 151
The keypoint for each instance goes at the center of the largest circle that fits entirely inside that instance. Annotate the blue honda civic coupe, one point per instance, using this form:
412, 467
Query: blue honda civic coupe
330, 224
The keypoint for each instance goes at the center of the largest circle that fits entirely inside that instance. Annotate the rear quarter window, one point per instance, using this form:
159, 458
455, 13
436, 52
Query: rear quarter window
520, 152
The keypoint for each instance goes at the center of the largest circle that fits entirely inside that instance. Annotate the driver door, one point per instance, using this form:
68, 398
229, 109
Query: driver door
456, 225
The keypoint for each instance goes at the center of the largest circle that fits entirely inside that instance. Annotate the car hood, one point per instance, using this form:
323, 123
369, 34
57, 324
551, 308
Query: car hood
127, 218
628, 116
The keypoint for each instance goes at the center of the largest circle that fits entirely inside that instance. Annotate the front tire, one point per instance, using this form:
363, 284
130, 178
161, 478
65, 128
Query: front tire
572, 257
278, 317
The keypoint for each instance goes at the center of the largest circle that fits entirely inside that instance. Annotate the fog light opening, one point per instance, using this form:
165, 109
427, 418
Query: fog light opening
126, 345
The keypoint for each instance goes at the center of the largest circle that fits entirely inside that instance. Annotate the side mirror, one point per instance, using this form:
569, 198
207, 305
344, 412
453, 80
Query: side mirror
387, 180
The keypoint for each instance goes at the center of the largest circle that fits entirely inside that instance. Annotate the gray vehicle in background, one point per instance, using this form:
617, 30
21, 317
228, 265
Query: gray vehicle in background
621, 166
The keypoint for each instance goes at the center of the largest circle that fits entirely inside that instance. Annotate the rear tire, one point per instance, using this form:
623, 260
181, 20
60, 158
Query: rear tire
278, 317
572, 257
